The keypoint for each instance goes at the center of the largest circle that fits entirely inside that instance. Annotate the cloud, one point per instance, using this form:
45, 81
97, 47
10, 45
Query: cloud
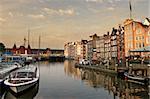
69, 12
10, 14
2, 19
110, 8
101, 1
37, 16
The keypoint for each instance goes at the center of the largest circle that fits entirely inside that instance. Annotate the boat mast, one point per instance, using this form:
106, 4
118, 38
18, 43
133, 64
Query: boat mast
39, 47
130, 5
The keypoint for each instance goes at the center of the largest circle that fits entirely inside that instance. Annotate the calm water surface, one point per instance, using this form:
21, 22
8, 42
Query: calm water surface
63, 81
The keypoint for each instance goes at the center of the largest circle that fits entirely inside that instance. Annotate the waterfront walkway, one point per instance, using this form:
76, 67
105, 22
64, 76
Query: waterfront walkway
97, 68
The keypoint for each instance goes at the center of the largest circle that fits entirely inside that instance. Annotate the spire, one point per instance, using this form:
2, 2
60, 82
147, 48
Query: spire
29, 47
14, 47
28, 36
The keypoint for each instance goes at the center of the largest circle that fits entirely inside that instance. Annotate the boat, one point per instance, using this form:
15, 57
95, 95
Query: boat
23, 78
13, 58
30, 94
136, 78
28, 59
6, 68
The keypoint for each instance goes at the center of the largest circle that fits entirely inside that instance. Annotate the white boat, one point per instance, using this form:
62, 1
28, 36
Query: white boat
30, 94
6, 68
23, 78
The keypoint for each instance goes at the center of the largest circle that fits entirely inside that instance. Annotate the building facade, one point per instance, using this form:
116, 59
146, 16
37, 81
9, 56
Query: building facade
135, 34
107, 46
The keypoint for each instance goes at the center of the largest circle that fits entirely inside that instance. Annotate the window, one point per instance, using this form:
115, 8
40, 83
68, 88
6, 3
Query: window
149, 40
136, 38
138, 31
137, 45
130, 45
143, 44
139, 37
149, 33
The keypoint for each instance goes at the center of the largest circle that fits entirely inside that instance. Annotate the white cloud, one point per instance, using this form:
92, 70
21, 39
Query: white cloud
37, 16
2, 19
110, 8
10, 14
101, 1
69, 12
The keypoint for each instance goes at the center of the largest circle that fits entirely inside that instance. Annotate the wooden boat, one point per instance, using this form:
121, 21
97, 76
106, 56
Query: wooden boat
23, 78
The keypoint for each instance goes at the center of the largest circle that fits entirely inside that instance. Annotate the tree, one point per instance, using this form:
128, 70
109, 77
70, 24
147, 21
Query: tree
2, 47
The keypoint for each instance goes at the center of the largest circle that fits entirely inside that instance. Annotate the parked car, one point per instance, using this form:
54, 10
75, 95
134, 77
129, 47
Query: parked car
84, 62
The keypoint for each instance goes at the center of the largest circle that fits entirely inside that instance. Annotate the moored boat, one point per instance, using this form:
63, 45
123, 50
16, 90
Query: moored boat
23, 78
13, 58
30, 94
136, 78
6, 68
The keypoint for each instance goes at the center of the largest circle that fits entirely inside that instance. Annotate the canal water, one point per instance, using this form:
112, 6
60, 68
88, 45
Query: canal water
61, 80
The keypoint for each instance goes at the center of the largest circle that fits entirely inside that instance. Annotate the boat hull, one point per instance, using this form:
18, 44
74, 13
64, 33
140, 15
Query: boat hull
28, 94
18, 89
136, 79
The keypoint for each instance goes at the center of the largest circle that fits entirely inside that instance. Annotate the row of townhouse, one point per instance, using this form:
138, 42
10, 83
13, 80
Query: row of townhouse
114, 45
76, 50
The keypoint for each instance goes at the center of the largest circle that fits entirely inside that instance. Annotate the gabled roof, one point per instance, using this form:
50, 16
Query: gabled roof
146, 22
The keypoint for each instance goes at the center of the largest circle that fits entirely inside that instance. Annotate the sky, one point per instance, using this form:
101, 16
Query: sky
62, 21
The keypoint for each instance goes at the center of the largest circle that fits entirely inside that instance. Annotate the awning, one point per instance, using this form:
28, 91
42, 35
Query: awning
144, 49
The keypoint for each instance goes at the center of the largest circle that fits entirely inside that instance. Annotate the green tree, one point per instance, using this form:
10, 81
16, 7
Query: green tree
2, 47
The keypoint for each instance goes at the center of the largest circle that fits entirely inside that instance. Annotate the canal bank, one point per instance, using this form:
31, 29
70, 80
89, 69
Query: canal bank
96, 68
138, 73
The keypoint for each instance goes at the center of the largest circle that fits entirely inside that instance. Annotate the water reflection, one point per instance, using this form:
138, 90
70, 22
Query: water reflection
97, 80
29, 94
2, 90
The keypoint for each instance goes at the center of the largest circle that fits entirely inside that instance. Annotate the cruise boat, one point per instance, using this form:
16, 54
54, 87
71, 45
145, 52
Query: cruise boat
23, 78
13, 58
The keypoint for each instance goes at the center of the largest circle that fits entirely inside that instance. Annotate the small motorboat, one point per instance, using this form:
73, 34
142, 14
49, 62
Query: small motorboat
30, 94
6, 68
23, 78
136, 78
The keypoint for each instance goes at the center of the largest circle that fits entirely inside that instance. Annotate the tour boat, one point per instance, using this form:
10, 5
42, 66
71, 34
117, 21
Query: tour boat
23, 78
13, 58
